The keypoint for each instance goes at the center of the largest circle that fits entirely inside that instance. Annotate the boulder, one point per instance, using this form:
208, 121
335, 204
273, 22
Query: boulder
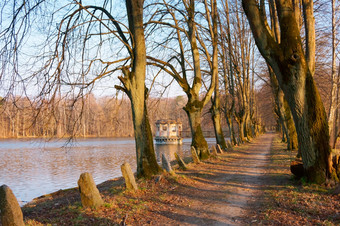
180, 162
219, 149
89, 194
130, 181
10, 211
296, 167
194, 155
166, 165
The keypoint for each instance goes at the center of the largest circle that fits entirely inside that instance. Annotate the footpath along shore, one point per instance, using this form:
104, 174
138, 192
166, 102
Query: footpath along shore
233, 189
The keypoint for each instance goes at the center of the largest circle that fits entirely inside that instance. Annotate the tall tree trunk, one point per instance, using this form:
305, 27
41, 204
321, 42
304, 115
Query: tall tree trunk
290, 65
241, 121
216, 106
146, 159
134, 86
293, 140
194, 113
335, 86
216, 117
228, 116
279, 103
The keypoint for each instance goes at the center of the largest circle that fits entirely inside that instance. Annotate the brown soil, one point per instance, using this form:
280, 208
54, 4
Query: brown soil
236, 188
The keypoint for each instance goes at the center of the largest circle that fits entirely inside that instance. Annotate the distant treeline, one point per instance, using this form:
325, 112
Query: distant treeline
86, 117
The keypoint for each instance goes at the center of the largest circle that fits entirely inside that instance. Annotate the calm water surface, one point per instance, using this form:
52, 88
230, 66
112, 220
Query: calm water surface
33, 167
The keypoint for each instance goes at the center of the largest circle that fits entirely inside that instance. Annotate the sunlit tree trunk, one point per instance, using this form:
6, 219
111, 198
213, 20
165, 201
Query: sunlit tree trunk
216, 106
335, 86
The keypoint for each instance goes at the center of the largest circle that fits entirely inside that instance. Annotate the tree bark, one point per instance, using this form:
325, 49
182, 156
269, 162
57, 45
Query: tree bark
293, 140
216, 106
288, 61
216, 117
194, 111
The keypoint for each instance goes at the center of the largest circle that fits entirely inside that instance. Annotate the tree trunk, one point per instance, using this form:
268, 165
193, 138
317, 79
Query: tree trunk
216, 106
293, 140
279, 103
216, 117
198, 140
335, 86
230, 123
134, 86
240, 122
288, 61
146, 159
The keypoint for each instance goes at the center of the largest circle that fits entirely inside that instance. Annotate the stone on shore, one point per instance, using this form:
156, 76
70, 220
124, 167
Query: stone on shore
10, 211
180, 162
166, 165
194, 155
130, 181
89, 194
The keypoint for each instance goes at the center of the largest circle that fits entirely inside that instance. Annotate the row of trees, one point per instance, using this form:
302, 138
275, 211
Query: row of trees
207, 47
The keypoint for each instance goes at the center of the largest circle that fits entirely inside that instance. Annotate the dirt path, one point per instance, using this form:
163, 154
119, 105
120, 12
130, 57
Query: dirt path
226, 189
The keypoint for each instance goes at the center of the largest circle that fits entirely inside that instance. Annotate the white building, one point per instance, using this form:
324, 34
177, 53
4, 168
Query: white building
168, 132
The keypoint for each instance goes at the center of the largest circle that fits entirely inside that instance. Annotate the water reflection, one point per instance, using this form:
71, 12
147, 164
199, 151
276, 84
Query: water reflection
32, 168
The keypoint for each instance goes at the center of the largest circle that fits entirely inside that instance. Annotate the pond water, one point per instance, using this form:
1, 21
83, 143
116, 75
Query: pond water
33, 167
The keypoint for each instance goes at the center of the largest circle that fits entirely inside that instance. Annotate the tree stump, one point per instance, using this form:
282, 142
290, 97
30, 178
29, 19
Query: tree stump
214, 151
180, 162
89, 194
166, 165
296, 167
219, 149
10, 211
194, 155
130, 181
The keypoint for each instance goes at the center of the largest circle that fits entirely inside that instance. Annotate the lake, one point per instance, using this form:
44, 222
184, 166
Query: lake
34, 167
